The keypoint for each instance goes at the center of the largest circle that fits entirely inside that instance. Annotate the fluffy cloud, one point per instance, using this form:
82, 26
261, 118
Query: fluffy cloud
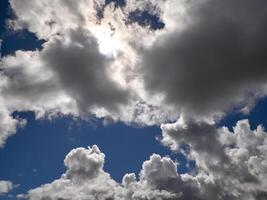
238, 171
5, 187
8, 124
230, 165
85, 179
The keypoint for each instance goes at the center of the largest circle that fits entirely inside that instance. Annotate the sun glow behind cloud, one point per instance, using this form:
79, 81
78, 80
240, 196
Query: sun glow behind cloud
109, 45
112, 45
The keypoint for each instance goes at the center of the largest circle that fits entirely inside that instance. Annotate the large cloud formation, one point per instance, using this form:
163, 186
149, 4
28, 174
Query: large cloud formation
95, 61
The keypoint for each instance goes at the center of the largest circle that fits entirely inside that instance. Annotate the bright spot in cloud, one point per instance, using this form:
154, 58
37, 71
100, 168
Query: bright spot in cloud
108, 43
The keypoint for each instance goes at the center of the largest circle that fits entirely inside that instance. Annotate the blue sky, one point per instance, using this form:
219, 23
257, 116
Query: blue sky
35, 154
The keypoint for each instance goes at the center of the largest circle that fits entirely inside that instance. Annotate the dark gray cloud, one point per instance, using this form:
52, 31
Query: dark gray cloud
215, 60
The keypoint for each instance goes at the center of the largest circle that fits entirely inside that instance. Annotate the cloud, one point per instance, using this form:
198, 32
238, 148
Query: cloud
8, 124
204, 62
69, 75
98, 66
5, 187
58, 17
86, 179
84, 163
212, 59
85, 66
239, 171
229, 165
82, 71
207, 60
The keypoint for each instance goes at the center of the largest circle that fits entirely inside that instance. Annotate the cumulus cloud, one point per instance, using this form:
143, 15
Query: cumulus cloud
86, 179
239, 171
5, 187
230, 165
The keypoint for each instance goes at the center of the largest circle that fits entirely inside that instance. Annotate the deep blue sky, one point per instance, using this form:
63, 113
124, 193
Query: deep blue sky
35, 154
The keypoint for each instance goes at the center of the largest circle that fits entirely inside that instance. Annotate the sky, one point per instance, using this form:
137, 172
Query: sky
129, 99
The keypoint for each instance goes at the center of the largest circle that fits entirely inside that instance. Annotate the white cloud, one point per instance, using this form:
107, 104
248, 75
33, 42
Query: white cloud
5, 187
85, 179
8, 124
238, 171
234, 163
